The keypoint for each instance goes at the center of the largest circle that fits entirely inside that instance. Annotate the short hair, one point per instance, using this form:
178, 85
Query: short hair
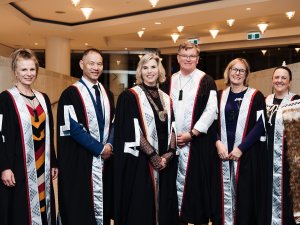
23, 53
231, 64
146, 58
188, 45
285, 68
86, 52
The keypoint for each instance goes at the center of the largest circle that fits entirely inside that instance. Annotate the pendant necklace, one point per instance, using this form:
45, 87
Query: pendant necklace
30, 100
181, 87
162, 115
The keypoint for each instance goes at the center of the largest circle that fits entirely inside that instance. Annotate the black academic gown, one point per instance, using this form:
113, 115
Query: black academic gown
134, 184
14, 202
251, 176
75, 193
285, 211
197, 184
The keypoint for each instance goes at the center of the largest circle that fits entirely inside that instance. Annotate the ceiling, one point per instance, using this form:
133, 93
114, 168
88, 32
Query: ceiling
113, 24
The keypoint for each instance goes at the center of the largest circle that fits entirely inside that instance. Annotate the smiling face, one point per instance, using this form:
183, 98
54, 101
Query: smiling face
92, 66
150, 72
25, 72
188, 60
237, 74
281, 82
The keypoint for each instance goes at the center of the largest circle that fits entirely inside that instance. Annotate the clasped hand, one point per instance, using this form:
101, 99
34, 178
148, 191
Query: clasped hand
235, 154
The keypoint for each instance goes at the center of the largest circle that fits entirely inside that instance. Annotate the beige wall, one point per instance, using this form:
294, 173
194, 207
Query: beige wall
5, 50
261, 80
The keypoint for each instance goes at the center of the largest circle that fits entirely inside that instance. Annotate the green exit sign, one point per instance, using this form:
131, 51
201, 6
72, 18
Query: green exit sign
253, 36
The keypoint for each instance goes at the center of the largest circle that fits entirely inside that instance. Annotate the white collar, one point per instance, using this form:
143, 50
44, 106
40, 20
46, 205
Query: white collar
88, 83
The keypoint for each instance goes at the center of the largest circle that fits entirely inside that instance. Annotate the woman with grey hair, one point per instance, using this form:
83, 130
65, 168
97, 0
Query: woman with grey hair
145, 151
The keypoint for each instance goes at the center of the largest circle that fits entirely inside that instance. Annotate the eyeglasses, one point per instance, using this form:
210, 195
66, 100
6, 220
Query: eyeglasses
188, 56
241, 71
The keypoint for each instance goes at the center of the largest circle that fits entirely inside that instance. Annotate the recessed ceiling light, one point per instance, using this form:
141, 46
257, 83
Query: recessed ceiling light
248, 9
86, 44
36, 43
126, 48
60, 12
157, 23
143, 28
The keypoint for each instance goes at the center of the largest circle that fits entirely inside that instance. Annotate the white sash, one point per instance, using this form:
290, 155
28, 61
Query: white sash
184, 115
229, 190
29, 154
92, 124
277, 157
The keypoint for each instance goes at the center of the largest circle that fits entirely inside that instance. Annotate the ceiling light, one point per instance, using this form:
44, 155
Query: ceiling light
262, 27
180, 28
118, 62
230, 22
157, 23
125, 48
140, 33
36, 43
153, 2
297, 49
143, 28
86, 44
290, 14
214, 33
75, 2
264, 51
174, 37
248, 9
87, 12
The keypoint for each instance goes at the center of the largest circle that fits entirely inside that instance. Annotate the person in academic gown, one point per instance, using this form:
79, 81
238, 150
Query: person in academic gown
84, 146
145, 154
240, 156
280, 207
193, 94
27, 156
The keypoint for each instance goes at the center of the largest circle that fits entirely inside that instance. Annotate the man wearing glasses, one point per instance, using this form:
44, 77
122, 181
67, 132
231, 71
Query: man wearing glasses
195, 107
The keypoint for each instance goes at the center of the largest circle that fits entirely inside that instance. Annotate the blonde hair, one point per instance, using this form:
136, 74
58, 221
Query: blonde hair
188, 45
231, 64
23, 53
146, 58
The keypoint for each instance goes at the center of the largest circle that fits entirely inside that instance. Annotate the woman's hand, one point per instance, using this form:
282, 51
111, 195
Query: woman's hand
235, 154
8, 178
222, 151
54, 173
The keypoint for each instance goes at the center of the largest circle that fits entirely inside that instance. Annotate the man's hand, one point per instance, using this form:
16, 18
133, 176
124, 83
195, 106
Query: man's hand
8, 178
107, 152
183, 139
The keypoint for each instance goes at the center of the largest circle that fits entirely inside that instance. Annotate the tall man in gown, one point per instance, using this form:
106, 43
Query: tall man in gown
195, 107
84, 137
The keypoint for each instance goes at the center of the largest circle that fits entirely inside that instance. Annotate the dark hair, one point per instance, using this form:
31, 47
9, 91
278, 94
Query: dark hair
90, 50
23, 53
285, 68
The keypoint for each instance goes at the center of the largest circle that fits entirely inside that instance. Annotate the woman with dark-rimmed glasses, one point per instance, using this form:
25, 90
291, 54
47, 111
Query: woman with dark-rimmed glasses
238, 180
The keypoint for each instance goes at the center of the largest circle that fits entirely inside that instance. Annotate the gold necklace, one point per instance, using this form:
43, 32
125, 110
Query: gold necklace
162, 115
